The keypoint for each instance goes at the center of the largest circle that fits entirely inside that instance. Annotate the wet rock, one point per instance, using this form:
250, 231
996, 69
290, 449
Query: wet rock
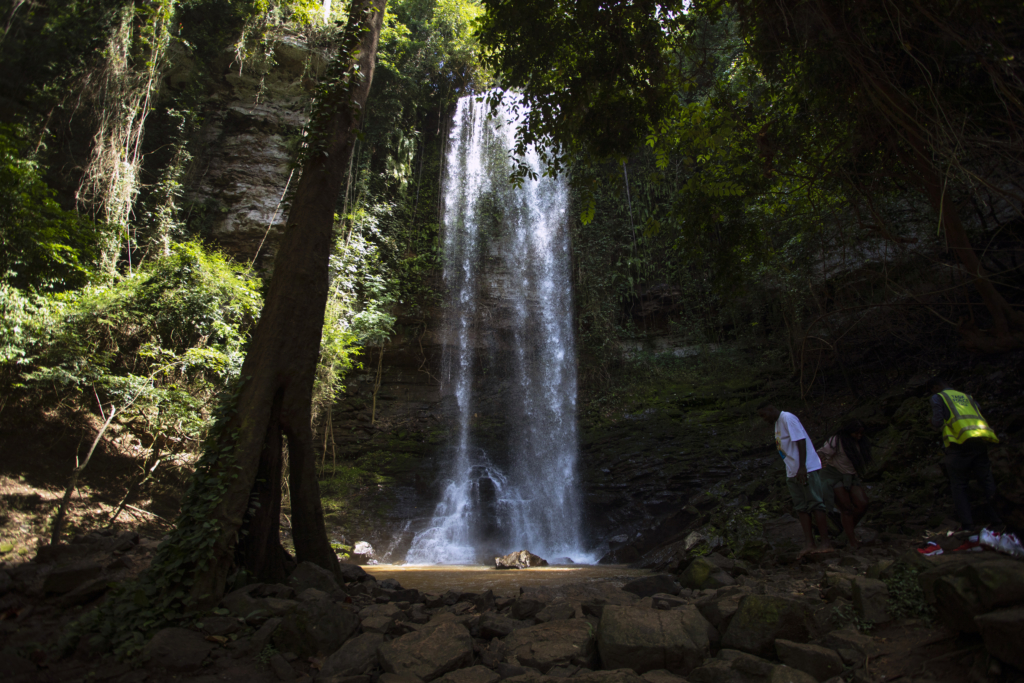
67, 579
1003, 633
820, 662
498, 626
356, 657
556, 611
309, 575
647, 586
523, 559
557, 643
762, 619
870, 599
177, 650
701, 574
429, 653
644, 640
473, 674
311, 628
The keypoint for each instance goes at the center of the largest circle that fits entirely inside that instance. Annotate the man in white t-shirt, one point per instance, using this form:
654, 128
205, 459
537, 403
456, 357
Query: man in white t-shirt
803, 476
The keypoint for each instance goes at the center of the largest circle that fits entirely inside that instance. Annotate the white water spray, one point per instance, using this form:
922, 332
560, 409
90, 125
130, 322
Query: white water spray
531, 501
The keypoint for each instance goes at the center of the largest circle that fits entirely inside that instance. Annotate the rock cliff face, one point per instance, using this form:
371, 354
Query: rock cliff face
253, 122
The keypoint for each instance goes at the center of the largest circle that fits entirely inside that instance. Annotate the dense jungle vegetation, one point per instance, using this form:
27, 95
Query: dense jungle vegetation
836, 184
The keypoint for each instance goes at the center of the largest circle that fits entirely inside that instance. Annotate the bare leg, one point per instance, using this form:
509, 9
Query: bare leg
847, 510
859, 497
805, 522
819, 516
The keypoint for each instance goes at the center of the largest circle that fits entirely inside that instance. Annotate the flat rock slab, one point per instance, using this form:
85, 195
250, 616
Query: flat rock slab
646, 639
556, 643
821, 662
1003, 632
309, 575
762, 619
429, 653
177, 650
646, 586
473, 674
312, 628
355, 658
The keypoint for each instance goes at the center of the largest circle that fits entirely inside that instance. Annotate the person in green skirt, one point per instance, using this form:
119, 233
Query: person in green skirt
844, 458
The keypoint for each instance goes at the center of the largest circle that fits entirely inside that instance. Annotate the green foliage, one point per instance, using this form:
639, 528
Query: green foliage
846, 615
906, 597
41, 245
158, 344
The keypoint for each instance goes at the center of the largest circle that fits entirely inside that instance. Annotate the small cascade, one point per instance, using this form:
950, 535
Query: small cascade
509, 308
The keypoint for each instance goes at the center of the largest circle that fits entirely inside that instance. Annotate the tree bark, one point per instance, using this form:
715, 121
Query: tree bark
274, 403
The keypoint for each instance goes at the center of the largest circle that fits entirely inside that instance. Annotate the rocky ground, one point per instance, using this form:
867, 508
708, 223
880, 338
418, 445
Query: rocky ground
880, 614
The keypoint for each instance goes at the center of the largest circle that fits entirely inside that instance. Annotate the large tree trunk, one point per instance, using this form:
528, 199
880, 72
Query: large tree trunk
274, 404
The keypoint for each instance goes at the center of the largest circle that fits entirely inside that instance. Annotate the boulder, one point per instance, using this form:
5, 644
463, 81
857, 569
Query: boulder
245, 603
662, 676
526, 608
377, 624
312, 628
498, 626
356, 657
6, 583
384, 678
520, 560
701, 574
850, 638
644, 639
351, 572
870, 599
473, 674
67, 579
556, 611
556, 643
381, 610
647, 586
614, 676
177, 650
997, 583
309, 575
14, 665
666, 601
732, 666
220, 626
1003, 633
956, 603
762, 619
720, 610
429, 653
820, 662
281, 668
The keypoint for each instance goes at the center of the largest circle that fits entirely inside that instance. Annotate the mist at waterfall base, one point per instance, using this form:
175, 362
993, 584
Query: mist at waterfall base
508, 340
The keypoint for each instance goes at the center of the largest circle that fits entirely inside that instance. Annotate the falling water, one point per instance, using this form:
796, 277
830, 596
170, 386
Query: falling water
524, 497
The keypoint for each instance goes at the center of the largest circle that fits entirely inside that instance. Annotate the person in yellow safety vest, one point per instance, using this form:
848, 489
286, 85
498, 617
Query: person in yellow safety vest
965, 436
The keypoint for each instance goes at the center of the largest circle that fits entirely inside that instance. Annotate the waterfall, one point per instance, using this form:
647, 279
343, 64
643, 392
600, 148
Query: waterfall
508, 311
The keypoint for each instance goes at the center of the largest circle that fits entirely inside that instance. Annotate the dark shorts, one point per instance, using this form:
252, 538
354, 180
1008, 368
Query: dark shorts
807, 498
831, 477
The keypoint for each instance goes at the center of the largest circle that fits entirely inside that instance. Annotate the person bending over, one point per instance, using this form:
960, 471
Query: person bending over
803, 474
965, 436
844, 459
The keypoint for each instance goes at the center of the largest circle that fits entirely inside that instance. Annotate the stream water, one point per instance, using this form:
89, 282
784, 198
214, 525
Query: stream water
528, 497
